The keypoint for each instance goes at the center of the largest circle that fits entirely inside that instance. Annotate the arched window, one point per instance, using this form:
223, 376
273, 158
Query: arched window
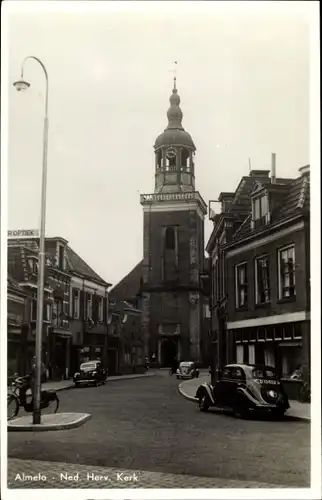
170, 242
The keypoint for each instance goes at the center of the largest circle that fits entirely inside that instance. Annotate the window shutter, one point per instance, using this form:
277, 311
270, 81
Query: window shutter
95, 300
82, 304
105, 310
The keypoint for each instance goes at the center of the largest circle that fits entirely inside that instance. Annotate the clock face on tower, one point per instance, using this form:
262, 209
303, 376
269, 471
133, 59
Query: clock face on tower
171, 153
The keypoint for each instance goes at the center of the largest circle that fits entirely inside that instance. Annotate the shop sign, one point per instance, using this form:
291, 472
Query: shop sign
23, 233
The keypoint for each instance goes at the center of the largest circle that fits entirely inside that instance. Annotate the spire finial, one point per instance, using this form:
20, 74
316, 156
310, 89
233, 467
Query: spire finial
175, 75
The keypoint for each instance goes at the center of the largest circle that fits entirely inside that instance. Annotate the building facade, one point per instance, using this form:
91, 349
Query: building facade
173, 265
75, 325
18, 326
261, 296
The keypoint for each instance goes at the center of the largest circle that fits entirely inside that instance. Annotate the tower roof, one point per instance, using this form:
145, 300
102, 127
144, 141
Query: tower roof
174, 134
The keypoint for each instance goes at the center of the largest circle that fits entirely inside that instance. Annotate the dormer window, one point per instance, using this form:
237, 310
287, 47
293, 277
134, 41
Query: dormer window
33, 264
260, 212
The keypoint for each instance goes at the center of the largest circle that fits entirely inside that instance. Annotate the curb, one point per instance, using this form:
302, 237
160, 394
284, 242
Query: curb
185, 395
124, 377
50, 427
195, 400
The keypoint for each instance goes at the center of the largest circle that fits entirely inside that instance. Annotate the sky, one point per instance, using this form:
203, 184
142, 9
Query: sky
243, 79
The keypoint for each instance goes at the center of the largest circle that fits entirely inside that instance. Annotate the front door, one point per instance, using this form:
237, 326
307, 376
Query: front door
169, 352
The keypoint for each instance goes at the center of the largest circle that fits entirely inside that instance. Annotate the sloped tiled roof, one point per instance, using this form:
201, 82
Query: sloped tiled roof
76, 264
298, 198
295, 199
129, 287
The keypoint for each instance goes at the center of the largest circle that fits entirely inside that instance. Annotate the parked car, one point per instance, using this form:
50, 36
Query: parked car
91, 372
187, 369
245, 389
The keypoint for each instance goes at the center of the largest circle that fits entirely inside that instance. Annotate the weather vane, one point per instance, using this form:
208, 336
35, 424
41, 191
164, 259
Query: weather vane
175, 73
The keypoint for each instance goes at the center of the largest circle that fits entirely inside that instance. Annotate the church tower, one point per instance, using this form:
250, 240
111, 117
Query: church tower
173, 255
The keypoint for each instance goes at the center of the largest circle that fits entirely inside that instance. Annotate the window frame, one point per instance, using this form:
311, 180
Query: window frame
257, 282
88, 309
170, 230
100, 308
238, 286
76, 310
262, 212
292, 273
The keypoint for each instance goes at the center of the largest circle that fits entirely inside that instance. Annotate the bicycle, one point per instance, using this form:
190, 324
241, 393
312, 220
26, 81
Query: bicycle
48, 399
304, 395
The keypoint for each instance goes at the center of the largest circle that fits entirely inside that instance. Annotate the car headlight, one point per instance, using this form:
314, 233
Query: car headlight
272, 394
178, 371
94, 373
75, 374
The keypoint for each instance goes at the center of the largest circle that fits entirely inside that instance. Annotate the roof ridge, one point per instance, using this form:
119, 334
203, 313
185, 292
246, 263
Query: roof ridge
95, 275
303, 193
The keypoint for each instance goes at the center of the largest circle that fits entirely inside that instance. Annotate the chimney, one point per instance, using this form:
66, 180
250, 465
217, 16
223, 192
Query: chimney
273, 171
304, 170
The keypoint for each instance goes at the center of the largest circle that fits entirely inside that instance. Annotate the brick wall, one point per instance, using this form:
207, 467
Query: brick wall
276, 306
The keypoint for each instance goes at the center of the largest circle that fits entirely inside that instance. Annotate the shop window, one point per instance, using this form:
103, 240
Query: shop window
241, 285
238, 336
261, 333
297, 330
262, 283
288, 331
253, 334
239, 353
245, 335
278, 332
270, 333
245, 353
251, 354
286, 267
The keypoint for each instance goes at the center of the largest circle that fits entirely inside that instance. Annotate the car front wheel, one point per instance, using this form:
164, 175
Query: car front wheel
204, 403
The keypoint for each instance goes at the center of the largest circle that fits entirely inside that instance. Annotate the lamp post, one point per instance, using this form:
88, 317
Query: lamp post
21, 85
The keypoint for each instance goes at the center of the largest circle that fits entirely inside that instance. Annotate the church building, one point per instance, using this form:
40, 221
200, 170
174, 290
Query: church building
172, 285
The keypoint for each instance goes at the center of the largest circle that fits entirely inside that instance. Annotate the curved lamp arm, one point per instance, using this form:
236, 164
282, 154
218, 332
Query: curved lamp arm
46, 76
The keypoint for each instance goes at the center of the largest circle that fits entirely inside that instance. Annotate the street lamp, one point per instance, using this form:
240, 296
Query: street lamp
22, 85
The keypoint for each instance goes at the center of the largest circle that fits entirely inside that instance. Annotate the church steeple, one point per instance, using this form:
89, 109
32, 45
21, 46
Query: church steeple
174, 113
174, 152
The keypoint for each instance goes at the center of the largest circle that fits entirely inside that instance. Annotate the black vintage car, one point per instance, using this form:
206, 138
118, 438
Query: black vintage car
91, 372
245, 389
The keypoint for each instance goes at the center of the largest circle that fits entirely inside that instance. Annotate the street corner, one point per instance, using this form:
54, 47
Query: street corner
54, 422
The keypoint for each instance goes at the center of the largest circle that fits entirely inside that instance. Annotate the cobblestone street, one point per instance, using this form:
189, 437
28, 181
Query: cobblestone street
144, 426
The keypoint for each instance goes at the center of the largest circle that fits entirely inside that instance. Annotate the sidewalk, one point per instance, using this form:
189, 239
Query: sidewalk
61, 385
36, 474
51, 422
188, 389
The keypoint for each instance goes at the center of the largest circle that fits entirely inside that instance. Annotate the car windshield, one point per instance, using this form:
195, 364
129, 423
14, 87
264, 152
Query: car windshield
186, 365
264, 373
86, 366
